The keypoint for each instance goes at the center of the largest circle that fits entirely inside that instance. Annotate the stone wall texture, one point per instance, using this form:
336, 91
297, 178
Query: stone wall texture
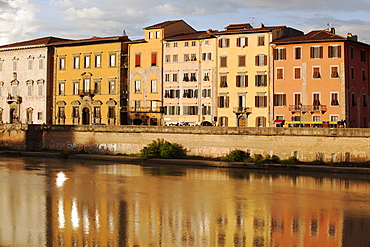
306, 144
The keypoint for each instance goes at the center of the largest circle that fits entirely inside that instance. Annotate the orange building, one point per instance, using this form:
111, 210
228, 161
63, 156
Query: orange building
319, 77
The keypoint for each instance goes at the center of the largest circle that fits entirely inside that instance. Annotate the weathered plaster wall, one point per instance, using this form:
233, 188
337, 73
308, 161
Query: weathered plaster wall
306, 144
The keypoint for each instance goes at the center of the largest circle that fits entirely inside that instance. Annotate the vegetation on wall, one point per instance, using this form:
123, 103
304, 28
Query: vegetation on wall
162, 149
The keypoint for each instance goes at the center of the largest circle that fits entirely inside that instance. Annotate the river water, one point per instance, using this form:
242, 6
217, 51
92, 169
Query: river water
51, 202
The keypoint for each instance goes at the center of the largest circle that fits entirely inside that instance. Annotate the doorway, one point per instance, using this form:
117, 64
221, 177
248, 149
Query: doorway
86, 116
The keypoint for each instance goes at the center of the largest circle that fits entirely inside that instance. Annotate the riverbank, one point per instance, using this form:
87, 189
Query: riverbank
196, 162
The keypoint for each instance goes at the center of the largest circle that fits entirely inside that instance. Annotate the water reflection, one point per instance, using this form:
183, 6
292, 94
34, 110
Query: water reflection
64, 203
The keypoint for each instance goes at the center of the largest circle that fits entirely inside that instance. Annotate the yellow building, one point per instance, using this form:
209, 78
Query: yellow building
146, 72
190, 78
244, 63
90, 81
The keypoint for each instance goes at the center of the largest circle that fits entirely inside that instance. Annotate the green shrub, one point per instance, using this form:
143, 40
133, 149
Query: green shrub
291, 160
236, 155
162, 149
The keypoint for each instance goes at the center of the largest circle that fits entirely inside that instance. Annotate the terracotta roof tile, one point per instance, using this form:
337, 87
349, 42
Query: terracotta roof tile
39, 41
188, 36
313, 36
162, 24
93, 40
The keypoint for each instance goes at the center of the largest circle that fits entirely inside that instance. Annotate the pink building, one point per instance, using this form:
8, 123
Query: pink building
321, 76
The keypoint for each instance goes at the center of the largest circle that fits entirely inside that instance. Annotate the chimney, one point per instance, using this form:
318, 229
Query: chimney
209, 31
261, 25
332, 30
352, 37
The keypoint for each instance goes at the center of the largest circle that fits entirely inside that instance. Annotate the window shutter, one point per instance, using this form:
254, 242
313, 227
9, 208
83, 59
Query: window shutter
226, 121
321, 51
204, 56
238, 81
256, 124
219, 101
238, 42
275, 99
246, 80
137, 60
256, 60
154, 58
220, 43
256, 80
265, 60
227, 42
283, 54
339, 51
203, 93
311, 52
246, 41
227, 101
264, 83
284, 99
264, 101
178, 93
195, 93
256, 101
330, 51
264, 121
275, 54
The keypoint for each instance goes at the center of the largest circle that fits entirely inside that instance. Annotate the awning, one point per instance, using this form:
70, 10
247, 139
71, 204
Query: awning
278, 121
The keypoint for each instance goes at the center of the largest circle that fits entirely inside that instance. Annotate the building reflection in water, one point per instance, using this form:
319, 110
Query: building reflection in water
125, 205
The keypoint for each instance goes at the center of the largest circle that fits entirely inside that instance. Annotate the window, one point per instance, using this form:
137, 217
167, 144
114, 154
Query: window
174, 77
261, 80
261, 40
172, 93
39, 89
334, 72
206, 110
97, 61
261, 101
316, 100
353, 99
260, 121
167, 77
111, 112
334, 99
62, 63
223, 101
352, 52
186, 76
206, 76
190, 110
297, 73
76, 62
316, 73
190, 93
261, 60
352, 73
206, 43
61, 112
137, 59
87, 61
39, 116
364, 100
86, 85
41, 63
223, 61
186, 43
153, 86
334, 51
206, 56
297, 99
279, 73
316, 118
150, 35
167, 58
241, 60
206, 93
279, 99
334, 118
172, 110
193, 57
112, 60
168, 45
193, 43
297, 53
174, 44
1, 65
75, 112
241, 42
158, 35
280, 54
30, 63
29, 90
111, 87
223, 80
175, 58
137, 86
97, 112
61, 88
75, 88
193, 76
97, 86
186, 57
241, 81
363, 56
316, 52
223, 43
15, 90
363, 75
154, 58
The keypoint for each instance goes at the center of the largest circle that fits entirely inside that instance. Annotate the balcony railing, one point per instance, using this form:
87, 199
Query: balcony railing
242, 110
17, 99
85, 92
308, 108
158, 109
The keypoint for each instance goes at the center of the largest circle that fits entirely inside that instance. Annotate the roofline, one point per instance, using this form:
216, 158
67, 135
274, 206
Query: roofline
92, 41
321, 41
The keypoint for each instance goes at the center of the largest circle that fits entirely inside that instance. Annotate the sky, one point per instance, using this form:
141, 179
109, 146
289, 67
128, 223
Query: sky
22, 20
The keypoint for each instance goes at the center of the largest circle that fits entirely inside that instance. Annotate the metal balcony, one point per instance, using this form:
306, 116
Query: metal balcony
158, 109
17, 99
89, 92
241, 110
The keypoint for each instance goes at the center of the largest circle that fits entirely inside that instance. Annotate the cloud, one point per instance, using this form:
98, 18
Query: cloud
73, 14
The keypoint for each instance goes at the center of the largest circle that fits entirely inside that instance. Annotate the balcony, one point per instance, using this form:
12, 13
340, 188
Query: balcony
158, 109
242, 110
89, 92
14, 99
308, 108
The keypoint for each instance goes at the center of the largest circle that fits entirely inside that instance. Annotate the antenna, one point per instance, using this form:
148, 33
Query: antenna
124, 33
251, 20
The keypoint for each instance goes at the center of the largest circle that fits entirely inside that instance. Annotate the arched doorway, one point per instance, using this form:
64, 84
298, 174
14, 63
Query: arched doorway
12, 115
86, 116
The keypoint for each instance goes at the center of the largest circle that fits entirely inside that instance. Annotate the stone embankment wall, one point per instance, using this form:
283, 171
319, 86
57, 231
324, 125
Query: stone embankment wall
306, 144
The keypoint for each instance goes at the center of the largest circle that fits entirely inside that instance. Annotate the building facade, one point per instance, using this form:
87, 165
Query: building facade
26, 79
146, 72
321, 76
90, 81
